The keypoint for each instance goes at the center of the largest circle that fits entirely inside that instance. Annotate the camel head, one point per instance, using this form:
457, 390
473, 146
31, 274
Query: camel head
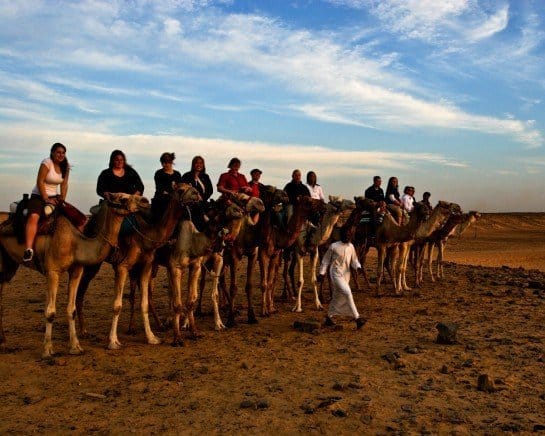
254, 206
125, 204
312, 208
474, 215
274, 198
185, 193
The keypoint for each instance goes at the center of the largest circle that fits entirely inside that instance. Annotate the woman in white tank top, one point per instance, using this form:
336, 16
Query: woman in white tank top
53, 173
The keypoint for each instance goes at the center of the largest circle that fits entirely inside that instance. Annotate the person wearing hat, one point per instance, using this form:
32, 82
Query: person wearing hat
256, 186
232, 181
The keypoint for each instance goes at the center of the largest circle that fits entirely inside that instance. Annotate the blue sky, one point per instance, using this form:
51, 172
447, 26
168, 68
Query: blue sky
446, 95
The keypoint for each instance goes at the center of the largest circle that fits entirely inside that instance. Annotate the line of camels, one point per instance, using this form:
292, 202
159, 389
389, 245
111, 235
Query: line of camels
237, 226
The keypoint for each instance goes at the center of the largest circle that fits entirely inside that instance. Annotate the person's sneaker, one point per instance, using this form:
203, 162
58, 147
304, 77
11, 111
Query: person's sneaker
360, 322
28, 255
328, 322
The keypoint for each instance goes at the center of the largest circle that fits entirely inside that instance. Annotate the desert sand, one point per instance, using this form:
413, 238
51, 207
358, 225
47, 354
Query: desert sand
390, 377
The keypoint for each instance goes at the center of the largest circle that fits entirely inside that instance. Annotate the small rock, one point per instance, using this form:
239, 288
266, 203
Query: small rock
307, 326
447, 333
246, 404
391, 357
467, 363
203, 370
399, 364
338, 386
262, 404
366, 419
354, 385
339, 413
539, 427
444, 369
366, 398
95, 395
485, 383
328, 402
413, 350
244, 365
114, 393
407, 408
307, 408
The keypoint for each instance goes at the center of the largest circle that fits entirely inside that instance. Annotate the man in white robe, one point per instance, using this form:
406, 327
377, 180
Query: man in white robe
339, 258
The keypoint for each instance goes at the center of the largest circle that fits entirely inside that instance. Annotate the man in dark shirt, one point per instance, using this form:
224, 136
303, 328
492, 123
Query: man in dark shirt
375, 192
296, 188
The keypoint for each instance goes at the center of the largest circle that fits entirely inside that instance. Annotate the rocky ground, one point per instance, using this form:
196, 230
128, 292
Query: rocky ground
391, 377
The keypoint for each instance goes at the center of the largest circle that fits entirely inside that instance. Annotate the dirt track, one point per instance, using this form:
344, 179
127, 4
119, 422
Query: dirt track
390, 377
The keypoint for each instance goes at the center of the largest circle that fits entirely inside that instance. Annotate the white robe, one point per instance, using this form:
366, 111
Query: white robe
340, 257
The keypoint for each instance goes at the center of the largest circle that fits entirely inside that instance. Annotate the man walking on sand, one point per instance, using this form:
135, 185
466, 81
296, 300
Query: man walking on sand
339, 258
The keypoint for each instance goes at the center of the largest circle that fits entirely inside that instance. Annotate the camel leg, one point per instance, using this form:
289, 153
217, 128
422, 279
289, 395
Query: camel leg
89, 273
51, 303
132, 299
273, 278
264, 269
405, 252
430, 261
298, 260
2, 335
175, 276
231, 321
74, 277
249, 286
313, 280
217, 268
120, 279
202, 285
362, 262
440, 251
380, 268
194, 274
145, 275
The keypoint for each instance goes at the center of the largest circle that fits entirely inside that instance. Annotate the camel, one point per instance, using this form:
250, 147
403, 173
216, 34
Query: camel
67, 250
397, 240
455, 226
245, 244
305, 244
439, 216
350, 219
192, 249
137, 249
274, 240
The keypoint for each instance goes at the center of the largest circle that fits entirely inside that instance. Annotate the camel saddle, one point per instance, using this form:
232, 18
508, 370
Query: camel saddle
16, 223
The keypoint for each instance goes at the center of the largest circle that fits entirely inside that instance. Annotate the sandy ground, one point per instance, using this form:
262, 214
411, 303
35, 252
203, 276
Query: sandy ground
390, 377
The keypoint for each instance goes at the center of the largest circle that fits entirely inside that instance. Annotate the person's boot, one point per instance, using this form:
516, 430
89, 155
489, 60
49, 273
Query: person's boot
360, 322
329, 322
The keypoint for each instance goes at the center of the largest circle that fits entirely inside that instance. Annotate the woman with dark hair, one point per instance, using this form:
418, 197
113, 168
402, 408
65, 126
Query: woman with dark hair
53, 173
164, 178
198, 178
315, 189
392, 199
119, 177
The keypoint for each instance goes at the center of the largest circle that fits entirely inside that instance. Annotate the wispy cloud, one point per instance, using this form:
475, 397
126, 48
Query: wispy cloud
494, 24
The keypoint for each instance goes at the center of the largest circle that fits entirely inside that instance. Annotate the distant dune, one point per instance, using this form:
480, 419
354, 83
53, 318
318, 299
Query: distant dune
498, 239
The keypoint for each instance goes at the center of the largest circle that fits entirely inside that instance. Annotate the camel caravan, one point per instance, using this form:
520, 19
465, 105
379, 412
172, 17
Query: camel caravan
182, 229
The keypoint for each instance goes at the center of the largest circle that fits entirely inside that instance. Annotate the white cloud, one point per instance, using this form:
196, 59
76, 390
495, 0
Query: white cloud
494, 24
